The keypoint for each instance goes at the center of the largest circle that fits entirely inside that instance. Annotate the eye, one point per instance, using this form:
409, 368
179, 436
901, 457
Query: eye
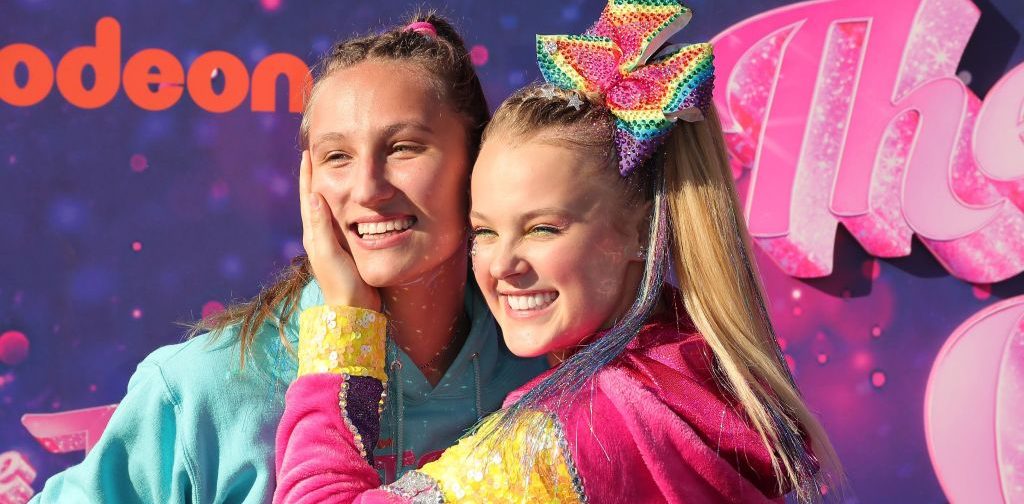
336, 157
482, 232
545, 230
408, 149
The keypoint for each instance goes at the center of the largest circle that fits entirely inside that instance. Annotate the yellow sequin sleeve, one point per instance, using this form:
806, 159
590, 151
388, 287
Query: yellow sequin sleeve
529, 464
342, 340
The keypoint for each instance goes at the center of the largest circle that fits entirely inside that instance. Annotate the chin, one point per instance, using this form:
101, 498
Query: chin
525, 346
384, 271
525, 352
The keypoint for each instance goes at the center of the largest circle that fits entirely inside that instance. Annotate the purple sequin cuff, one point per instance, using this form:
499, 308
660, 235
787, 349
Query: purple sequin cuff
361, 400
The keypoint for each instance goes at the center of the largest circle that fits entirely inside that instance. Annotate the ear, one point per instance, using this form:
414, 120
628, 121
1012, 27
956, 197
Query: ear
640, 229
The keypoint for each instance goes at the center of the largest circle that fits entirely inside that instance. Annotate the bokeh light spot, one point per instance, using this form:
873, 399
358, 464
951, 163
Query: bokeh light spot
139, 163
219, 190
13, 347
878, 378
982, 291
211, 308
479, 55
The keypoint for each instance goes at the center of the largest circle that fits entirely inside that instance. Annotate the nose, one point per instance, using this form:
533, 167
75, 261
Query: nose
370, 184
506, 262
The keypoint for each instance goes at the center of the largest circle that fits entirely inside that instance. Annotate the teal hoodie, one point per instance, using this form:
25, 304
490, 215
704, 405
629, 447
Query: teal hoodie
196, 427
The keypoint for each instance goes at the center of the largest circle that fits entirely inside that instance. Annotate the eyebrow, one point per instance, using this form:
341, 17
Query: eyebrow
532, 214
328, 137
390, 130
396, 128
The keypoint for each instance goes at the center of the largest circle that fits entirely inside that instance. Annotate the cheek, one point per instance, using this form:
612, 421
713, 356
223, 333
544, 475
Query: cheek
481, 272
559, 263
320, 179
610, 248
331, 185
592, 268
608, 263
442, 195
480, 261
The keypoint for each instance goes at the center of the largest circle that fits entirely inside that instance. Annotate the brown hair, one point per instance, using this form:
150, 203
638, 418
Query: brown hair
691, 180
445, 59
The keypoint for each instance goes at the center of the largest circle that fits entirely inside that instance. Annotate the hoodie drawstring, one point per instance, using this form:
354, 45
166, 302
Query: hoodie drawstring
396, 373
476, 383
397, 425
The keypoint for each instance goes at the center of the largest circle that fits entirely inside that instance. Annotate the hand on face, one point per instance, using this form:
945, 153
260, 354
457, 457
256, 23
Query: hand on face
332, 265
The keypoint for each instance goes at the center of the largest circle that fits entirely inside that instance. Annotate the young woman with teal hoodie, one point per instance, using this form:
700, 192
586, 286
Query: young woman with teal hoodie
391, 163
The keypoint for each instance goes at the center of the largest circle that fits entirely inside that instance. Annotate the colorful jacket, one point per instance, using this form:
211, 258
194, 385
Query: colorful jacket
196, 427
652, 426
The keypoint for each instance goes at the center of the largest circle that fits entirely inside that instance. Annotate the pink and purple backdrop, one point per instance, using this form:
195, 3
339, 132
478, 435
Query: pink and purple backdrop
130, 205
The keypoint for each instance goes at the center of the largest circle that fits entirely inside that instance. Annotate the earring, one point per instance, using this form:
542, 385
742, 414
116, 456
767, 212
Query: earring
642, 253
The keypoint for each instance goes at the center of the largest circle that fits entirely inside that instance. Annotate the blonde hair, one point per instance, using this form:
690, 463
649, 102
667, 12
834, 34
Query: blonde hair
690, 179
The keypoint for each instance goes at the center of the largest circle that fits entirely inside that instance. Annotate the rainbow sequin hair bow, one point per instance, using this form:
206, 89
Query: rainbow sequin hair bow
611, 58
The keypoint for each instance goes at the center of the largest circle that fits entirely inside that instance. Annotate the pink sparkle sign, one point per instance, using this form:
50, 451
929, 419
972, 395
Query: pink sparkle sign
69, 431
849, 111
974, 404
16, 476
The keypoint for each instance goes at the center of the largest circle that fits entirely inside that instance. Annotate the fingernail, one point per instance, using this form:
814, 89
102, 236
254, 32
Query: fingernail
316, 202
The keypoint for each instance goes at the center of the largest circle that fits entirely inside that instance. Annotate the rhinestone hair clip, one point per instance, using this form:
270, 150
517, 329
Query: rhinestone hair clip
547, 92
614, 58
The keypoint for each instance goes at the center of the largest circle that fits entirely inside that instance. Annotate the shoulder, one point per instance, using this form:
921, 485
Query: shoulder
663, 352
211, 364
195, 358
659, 405
667, 379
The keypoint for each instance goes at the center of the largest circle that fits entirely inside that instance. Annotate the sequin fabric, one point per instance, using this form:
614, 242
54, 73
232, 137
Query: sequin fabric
417, 488
520, 467
342, 340
356, 394
348, 341
614, 58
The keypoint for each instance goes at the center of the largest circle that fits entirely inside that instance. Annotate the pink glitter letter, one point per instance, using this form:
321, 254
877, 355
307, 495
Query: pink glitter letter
848, 111
999, 135
69, 431
974, 404
16, 476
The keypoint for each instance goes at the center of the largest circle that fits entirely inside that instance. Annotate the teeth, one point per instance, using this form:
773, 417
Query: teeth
531, 301
372, 228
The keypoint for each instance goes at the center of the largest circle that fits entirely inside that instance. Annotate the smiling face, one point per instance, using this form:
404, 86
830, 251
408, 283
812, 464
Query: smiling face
555, 243
390, 156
